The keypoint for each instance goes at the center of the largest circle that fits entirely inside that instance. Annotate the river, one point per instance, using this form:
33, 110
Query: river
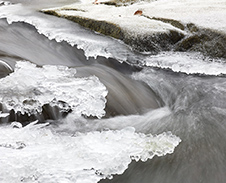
105, 112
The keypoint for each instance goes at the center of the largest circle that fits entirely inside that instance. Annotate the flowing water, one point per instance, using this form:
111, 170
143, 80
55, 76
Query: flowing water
105, 113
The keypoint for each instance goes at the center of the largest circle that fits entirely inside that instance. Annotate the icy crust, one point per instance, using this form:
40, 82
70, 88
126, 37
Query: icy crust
30, 87
189, 63
62, 30
36, 154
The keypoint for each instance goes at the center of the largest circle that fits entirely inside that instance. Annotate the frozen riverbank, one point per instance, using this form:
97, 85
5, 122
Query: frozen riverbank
162, 25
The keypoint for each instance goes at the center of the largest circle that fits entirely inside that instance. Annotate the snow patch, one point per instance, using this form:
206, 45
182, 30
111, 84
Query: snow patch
63, 30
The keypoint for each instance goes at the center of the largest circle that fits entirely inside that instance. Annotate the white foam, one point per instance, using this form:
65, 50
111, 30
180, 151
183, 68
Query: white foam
189, 63
29, 87
36, 154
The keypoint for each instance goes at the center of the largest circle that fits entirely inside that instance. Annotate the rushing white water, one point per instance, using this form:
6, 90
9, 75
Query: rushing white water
30, 87
36, 154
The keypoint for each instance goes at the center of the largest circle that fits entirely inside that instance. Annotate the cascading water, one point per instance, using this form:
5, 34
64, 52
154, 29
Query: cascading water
104, 113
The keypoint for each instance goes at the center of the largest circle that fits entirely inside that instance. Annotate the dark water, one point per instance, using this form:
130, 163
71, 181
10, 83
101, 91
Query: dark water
198, 117
197, 105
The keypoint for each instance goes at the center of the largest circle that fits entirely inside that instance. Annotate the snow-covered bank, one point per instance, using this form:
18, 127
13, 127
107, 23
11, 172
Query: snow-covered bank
206, 14
162, 24
121, 23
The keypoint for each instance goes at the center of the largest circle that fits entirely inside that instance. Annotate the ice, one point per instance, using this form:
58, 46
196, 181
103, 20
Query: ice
29, 87
4, 3
62, 30
189, 63
37, 154
3, 115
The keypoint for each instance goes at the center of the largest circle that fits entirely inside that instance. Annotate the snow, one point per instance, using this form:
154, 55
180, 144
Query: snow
121, 16
36, 153
206, 14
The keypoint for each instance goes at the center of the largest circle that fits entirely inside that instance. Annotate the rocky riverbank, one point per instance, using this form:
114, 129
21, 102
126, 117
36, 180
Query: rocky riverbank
155, 26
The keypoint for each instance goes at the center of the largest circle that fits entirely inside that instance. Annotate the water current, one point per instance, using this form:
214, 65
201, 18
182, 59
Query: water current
77, 106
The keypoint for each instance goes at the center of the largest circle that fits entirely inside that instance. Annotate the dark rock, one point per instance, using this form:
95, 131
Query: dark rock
154, 43
206, 41
174, 23
192, 27
188, 43
98, 26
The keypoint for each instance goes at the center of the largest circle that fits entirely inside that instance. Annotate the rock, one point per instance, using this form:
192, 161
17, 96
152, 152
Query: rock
154, 41
208, 42
118, 3
160, 26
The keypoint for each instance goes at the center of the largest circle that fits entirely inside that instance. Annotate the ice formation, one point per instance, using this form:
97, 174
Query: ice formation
37, 154
29, 87
63, 30
189, 63
3, 115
